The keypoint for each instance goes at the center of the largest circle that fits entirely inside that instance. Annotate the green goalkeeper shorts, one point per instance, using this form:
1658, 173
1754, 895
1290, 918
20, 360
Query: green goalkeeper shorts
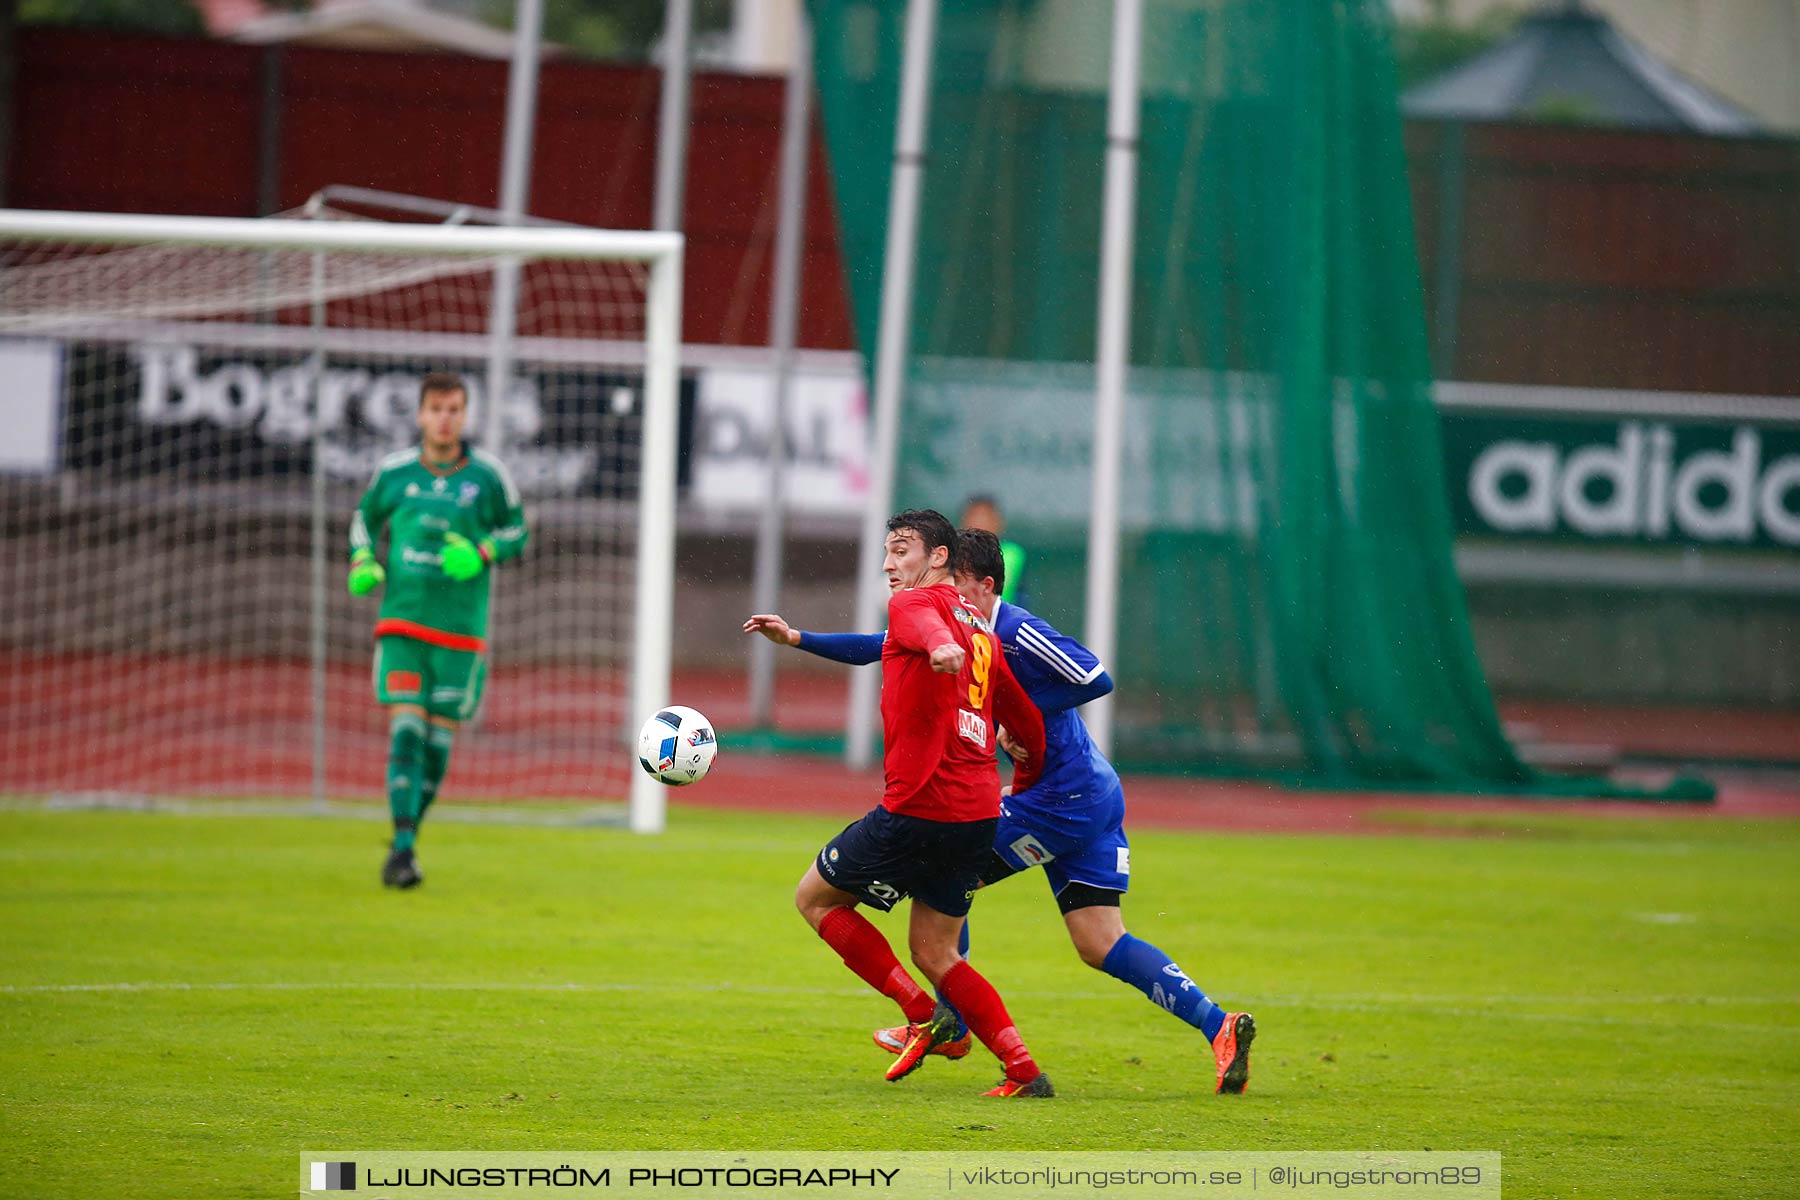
445, 683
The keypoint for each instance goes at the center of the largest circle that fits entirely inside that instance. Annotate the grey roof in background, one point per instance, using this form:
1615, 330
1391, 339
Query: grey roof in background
1565, 56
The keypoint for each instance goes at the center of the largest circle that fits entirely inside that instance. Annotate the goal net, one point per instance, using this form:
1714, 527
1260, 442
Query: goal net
190, 410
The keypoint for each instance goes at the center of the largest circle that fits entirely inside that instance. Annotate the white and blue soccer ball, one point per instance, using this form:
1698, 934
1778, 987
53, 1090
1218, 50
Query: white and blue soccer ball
677, 746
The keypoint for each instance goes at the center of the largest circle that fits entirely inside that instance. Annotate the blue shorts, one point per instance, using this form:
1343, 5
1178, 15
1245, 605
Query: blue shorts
1082, 843
887, 856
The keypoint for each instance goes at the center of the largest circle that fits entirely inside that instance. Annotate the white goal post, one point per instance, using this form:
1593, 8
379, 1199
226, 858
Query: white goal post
288, 297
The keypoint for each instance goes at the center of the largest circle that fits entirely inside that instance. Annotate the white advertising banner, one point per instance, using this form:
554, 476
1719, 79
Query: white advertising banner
30, 406
827, 440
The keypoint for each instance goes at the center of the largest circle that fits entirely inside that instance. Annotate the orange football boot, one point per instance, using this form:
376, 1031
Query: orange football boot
894, 1041
1038, 1087
1231, 1050
922, 1040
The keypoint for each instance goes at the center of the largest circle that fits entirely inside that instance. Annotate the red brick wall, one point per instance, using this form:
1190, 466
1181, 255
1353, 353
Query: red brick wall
1591, 258
168, 126
1603, 258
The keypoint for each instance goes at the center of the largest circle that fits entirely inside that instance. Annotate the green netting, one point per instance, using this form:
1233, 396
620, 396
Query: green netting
1288, 598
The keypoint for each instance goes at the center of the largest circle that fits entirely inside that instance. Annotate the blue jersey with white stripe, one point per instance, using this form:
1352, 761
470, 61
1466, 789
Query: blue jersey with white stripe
1058, 673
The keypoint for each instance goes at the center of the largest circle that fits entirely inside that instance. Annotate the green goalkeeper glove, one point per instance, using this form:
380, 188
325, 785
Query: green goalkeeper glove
365, 573
464, 559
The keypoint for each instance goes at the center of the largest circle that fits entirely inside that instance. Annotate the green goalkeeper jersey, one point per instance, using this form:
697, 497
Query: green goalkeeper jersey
421, 503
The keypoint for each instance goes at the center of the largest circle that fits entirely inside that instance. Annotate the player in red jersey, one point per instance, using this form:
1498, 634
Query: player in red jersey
944, 683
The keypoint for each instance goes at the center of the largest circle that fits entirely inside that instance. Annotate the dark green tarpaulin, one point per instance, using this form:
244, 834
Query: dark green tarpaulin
1288, 602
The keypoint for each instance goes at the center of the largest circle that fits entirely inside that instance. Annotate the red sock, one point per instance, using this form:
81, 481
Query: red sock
866, 952
985, 1013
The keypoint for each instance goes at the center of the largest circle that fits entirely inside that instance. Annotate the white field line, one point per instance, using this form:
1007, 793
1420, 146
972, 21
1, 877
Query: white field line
598, 813
1513, 1007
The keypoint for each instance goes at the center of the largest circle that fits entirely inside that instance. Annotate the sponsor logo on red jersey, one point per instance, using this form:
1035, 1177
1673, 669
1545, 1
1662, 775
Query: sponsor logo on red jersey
970, 617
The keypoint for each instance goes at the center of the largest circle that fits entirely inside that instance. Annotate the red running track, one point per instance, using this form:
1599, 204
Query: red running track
826, 788
189, 726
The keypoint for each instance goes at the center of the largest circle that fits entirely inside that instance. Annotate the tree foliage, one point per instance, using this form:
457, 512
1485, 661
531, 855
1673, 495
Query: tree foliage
1423, 49
625, 29
170, 17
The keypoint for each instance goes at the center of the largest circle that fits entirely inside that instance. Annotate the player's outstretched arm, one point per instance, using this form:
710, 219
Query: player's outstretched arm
773, 627
1076, 674
856, 649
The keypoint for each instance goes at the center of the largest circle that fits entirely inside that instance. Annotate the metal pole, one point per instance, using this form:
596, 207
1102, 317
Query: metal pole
315, 364
9, 72
268, 132
907, 178
515, 192
1113, 348
1452, 184
672, 125
790, 235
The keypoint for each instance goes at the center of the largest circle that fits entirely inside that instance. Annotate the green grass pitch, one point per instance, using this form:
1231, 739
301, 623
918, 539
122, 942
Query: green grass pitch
187, 1002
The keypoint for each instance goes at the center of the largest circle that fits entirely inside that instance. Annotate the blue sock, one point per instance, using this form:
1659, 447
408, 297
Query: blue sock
1153, 973
962, 948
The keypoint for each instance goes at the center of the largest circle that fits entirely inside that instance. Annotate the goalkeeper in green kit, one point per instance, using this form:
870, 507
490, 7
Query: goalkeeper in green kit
452, 513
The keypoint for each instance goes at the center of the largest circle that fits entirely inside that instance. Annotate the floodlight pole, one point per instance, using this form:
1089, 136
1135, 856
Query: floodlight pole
1113, 341
672, 121
790, 235
515, 191
906, 181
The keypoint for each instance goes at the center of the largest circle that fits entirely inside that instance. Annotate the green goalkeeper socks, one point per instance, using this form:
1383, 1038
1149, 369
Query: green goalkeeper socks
406, 768
438, 741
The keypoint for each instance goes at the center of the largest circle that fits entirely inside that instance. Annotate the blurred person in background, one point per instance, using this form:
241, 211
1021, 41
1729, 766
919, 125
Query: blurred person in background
982, 511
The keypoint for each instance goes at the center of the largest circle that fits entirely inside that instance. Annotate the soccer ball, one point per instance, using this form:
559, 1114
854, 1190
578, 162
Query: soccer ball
677, 746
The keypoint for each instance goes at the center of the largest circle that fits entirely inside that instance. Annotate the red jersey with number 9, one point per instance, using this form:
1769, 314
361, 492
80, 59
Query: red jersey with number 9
938, 729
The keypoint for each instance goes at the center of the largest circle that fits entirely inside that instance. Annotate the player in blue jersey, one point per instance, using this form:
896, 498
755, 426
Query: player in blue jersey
1071, 821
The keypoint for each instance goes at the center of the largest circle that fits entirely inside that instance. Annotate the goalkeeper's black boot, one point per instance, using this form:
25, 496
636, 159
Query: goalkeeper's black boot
401, 870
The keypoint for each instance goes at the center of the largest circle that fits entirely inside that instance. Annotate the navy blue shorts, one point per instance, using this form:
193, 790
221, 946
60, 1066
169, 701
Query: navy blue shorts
887, 856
